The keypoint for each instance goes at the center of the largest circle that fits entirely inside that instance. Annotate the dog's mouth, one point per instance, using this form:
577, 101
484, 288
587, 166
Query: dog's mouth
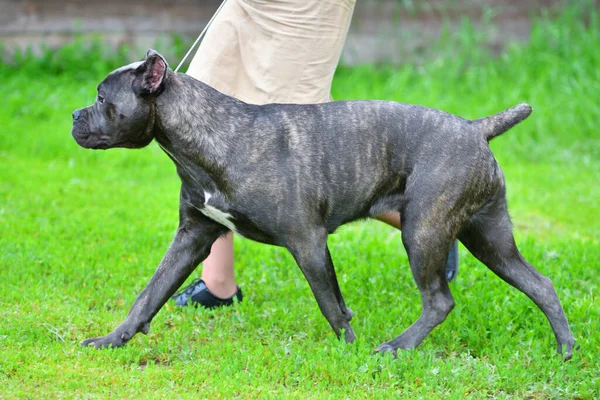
93, 141
89, 140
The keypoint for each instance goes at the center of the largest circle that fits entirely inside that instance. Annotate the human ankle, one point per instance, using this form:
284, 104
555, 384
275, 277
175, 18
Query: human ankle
220, 287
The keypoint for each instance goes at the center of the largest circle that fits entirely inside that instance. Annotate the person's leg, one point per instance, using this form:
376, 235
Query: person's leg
217, 64
390, 218
266, 52
217, 269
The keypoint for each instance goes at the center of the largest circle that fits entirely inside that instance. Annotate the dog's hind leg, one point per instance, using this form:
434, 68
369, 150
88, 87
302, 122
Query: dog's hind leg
427, 245
313, 258
488, 236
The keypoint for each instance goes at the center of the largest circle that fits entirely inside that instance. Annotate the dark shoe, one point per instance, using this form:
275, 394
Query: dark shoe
452, 263
198, 295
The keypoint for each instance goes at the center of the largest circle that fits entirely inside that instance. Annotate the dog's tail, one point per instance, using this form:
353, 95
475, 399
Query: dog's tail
496, 125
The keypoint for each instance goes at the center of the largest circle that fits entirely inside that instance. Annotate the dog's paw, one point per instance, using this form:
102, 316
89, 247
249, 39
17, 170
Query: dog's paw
566, 350
349, 336
103, 342
387, 348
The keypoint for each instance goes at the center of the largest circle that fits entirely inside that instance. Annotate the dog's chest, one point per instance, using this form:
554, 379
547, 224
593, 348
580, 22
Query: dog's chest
217, 215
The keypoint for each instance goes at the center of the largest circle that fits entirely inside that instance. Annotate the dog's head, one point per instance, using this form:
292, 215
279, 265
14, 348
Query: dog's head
124, 112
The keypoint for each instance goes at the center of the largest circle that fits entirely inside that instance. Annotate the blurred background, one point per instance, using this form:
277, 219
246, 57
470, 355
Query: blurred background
75, 249
381, 30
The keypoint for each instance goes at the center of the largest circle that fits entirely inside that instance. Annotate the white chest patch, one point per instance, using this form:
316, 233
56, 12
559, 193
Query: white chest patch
217, 215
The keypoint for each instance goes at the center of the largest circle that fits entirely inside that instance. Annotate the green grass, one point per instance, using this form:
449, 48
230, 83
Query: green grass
81, 232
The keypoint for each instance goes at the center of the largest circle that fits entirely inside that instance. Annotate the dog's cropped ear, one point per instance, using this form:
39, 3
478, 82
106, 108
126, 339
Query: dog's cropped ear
150, 74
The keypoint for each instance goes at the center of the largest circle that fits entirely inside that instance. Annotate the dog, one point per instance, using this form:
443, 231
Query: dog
289, 175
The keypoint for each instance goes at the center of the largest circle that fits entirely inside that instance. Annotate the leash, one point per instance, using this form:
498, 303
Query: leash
200, 36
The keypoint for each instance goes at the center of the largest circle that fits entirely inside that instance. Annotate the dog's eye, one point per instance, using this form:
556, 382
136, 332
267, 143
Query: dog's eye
100, 99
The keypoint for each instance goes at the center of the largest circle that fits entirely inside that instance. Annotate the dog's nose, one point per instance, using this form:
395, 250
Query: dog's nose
76, 115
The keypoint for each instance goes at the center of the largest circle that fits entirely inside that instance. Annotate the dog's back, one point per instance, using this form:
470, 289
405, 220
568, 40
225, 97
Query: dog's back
351, 159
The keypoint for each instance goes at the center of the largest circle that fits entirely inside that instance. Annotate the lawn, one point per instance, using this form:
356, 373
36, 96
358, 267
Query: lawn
81, 232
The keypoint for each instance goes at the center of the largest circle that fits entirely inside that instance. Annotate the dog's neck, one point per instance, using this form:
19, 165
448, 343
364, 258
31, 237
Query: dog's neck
195, 130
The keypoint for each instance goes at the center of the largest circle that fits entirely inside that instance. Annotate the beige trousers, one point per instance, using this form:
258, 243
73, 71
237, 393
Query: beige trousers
274, 51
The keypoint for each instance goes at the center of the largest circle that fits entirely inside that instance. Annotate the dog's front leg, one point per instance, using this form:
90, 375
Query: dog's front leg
190, 246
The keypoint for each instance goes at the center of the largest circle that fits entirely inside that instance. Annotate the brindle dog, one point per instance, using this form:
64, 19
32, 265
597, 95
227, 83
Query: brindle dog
289, 175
